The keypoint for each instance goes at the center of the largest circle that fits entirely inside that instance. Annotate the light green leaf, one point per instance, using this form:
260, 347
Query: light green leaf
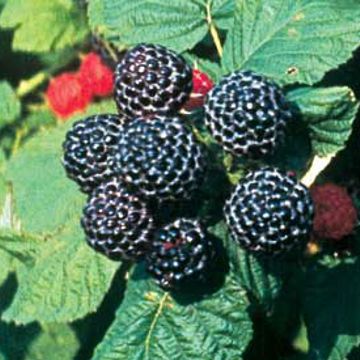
330, 311
10, 106
177, 24
329, 114
43, 25
56, 341
67, 281
292, 41
150, 324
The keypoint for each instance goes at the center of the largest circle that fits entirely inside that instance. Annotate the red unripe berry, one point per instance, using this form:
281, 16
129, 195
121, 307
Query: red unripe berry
95, 75
335, 213
202, 84
66, 95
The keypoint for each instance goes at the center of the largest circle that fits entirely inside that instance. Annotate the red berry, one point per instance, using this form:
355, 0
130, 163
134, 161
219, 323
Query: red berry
66, 95
202, 84
335, 213
95, 75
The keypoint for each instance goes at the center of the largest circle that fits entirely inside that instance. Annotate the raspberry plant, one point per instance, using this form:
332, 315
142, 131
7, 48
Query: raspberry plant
60, 299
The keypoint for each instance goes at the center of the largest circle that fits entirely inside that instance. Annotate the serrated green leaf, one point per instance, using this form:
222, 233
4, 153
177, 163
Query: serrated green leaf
329, 114
67, 281
43, 25
150, 324
292, 41
261, 278
10, 106
177, 24
330, 311
55, 340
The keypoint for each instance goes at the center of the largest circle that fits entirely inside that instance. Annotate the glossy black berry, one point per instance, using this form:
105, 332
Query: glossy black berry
88, 147
247, 114
161, 158
151, 79
181, 251
117, 222
269, 212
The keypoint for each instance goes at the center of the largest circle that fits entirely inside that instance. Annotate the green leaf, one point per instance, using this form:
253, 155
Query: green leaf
150, 324
67, 281
292, 41
329, 114
177, 24
43, 25
330, 311
10, 106
260, 277
55, 340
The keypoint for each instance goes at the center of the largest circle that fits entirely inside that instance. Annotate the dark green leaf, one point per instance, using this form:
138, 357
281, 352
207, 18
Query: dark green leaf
292, 41
150, 324
177, 24
331, 311
329, 114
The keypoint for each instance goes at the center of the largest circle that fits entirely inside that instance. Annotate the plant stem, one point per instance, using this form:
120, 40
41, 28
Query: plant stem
317, 166
213, 30
27, 86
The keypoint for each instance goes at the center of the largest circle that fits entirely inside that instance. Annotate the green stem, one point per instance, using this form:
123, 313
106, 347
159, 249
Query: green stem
213, 30
27, 86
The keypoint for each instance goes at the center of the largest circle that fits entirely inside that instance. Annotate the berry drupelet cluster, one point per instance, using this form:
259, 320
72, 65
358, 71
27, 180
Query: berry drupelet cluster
247, 114
152, 80
269, 212
147, 154
335, 212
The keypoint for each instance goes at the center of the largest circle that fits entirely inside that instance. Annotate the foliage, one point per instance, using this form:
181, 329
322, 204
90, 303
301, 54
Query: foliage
49, 277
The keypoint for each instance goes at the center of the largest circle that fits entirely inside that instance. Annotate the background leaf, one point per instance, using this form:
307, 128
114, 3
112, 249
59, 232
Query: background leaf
331, 311
10, 106
151, 324
59, 340
43, 25
292, 41
67, 279
329, 114
177, 24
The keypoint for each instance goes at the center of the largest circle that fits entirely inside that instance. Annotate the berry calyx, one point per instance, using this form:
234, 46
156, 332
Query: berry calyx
335, 213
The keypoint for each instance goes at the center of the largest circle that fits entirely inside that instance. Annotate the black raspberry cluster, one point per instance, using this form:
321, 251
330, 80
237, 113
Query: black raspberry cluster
147, 152
144, 153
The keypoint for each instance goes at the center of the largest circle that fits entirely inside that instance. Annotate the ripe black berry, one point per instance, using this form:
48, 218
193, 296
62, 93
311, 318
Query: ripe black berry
160, 157
180, 251
88, 146
117, 222
152, 80
269, 212
247, 113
